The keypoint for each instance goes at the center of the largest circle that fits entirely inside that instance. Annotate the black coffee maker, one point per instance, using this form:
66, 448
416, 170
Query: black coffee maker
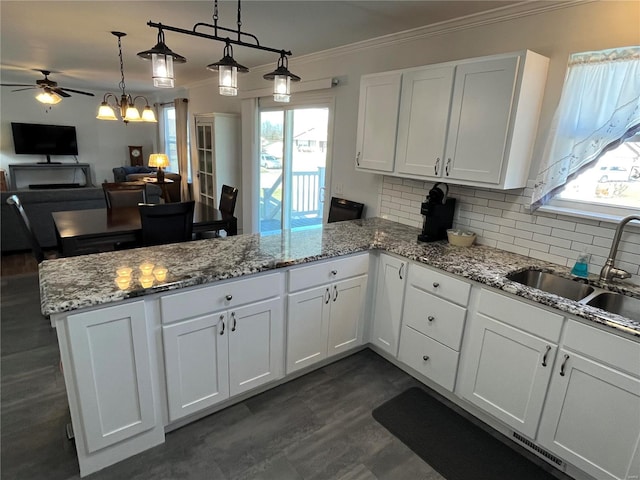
438, 214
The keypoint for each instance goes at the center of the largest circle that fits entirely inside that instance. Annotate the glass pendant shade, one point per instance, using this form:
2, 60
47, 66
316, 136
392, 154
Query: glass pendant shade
48, 97
281, 88
148, 115
228, 80
132, 114
105, 112
162, 70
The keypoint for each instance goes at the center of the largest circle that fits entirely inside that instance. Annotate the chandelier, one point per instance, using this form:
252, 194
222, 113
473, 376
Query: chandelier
126, 103
162, 58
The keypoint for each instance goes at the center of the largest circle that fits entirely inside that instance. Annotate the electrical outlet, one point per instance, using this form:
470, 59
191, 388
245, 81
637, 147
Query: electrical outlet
338, 188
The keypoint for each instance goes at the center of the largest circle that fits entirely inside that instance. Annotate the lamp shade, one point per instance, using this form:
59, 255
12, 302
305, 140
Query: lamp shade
148, 115
105, 112
48, 97
160, 160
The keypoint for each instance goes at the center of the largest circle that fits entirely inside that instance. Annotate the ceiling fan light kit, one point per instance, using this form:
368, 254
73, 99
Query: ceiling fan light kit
126, 104
48, 97
163, 58
51, 93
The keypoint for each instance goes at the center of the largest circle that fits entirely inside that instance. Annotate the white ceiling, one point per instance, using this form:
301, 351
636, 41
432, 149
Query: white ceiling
73, 38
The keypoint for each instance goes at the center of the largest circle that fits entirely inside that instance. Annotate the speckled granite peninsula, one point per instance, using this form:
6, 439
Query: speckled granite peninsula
78, 282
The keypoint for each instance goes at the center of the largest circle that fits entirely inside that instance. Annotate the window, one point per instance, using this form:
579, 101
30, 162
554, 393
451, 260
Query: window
169, 140
591, 162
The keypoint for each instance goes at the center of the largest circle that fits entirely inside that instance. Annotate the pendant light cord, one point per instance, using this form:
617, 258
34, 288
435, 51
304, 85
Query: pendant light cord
121, 84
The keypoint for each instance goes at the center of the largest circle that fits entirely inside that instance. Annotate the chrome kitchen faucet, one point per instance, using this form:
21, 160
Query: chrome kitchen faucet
609, 272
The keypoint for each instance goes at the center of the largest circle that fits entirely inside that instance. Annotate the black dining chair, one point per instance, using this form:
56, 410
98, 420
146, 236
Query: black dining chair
341, 209
228, 198
124, 194
25, 225
166, 222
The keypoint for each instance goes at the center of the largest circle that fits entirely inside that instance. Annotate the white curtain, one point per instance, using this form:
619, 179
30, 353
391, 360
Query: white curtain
599, 107
182, 118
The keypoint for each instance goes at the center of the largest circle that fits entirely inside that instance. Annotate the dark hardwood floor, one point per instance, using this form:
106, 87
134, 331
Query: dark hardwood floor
316, 427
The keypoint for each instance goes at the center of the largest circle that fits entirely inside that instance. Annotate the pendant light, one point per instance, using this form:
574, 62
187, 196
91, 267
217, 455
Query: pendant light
162, 60
282, 79
227, 69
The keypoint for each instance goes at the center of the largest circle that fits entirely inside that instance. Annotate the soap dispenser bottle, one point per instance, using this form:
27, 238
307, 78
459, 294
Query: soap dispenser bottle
581, 267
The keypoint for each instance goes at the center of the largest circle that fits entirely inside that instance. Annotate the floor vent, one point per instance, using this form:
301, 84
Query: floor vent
537, 449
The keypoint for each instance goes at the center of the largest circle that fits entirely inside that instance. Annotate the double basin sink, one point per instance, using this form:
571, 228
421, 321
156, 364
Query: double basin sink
619, 304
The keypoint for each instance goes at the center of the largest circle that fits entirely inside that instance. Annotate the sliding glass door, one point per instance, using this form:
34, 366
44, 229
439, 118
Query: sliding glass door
293, 160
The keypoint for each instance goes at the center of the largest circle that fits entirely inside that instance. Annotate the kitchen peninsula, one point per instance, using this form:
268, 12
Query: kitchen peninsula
182, 351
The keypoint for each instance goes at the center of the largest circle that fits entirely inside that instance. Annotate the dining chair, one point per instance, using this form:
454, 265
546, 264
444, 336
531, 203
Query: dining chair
14, 201
166, 222
341, 209
124, 194
228, 198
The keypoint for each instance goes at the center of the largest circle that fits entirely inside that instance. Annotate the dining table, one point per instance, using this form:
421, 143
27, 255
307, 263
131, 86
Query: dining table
93, 230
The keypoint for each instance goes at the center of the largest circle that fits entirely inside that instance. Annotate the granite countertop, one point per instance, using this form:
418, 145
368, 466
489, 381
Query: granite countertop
77, 282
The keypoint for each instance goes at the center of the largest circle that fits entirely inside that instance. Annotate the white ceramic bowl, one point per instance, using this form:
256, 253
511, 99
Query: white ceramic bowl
461, 238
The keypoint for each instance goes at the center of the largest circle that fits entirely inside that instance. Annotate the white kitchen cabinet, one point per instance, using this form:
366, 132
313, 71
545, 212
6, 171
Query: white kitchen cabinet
377, 121
389, 298
510, 353
213, 352
469, 122
592, 414
326, 318
433, 323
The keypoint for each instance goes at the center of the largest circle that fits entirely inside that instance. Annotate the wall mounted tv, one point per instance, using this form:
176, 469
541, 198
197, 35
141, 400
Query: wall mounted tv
38, 139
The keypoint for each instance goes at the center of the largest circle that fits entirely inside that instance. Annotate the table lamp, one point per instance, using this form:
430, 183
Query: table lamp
159, 160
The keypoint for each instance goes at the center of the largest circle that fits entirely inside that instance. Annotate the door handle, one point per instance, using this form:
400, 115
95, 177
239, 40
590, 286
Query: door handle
358, 159
222, 320
233, 327
335, 293
544, 358
328, 296
564, 364
447, 167
436, 166
400, 270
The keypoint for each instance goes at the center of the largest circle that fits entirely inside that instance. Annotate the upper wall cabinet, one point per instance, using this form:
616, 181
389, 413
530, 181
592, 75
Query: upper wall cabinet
471, 122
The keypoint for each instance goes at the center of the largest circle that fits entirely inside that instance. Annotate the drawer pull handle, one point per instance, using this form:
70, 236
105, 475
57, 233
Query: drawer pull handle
544, 358
446, 168
564, 364
335, 293
233, 315
229, 298
401, 270
222, 320
358, 159
431, 318
436, 166
328, 297
334, 272
436, 284
425, 357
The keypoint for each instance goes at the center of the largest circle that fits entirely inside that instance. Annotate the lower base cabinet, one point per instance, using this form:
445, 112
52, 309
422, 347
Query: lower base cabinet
592, 413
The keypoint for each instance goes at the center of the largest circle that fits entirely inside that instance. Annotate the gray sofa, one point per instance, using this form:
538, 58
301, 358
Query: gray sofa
134, 174
38, 205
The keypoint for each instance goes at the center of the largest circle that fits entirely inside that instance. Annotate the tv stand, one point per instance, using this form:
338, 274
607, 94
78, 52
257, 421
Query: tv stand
20, 173
49, 162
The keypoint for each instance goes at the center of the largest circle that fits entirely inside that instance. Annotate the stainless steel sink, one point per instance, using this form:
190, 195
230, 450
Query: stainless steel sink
616, 303
551, 283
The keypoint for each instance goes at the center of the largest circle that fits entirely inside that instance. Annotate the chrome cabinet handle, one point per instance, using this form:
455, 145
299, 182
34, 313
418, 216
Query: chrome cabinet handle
544, 358
447, 167
229, 298
328, 297
222, 320
436, 166
358, 159
233, 315
335, 293
425, 357
436, 284
564, 364
431, 318
400, 271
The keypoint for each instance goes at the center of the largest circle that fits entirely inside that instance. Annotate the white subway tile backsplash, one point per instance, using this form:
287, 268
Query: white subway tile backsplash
502, 220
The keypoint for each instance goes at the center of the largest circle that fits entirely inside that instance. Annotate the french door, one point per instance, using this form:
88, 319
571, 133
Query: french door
292, 163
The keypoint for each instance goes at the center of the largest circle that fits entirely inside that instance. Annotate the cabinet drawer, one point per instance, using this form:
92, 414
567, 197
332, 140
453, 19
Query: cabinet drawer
193, 303
439, 284
437, 318
301, 278
441, 362
614, 350
521, 315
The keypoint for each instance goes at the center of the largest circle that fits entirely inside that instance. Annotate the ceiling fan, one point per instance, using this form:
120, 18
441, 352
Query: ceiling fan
51, 92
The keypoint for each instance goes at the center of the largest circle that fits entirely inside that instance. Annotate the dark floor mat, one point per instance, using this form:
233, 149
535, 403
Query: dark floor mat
451, 444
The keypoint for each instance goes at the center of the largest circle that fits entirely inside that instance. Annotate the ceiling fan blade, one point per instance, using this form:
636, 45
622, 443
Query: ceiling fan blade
60, 92
76, 91
21, 89
16, 85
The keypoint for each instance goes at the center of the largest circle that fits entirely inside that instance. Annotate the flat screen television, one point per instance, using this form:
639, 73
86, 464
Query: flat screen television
39, 139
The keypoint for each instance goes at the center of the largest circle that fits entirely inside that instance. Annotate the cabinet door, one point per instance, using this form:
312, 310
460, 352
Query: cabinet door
346, 322
481, 109
592, 418
389, 296
510, 373
307, 327
377, 121
422, 124
196, 364
111, 365
256, 345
